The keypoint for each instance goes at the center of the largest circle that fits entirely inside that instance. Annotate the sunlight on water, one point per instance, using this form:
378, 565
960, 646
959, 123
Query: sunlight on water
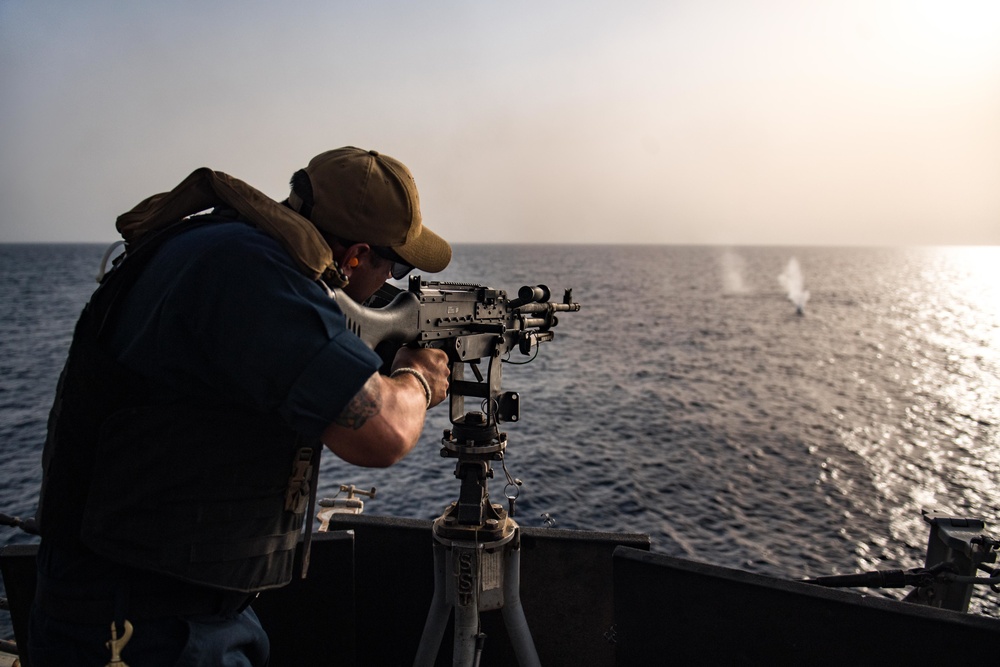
933, 440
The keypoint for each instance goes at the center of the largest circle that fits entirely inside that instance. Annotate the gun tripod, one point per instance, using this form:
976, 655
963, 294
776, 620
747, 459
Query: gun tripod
477, 554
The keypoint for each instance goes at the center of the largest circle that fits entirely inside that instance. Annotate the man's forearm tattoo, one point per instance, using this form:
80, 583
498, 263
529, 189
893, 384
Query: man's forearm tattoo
366, 404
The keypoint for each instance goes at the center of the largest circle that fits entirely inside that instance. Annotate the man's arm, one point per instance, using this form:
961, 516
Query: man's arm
383, 421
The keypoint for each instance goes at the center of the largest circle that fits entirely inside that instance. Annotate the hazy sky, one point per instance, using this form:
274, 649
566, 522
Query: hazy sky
702, 121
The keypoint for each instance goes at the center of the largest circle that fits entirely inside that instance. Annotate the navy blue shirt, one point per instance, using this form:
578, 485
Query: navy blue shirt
222, 316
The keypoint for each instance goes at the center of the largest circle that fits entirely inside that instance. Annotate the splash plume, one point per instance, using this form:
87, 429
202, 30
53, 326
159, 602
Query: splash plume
791, 279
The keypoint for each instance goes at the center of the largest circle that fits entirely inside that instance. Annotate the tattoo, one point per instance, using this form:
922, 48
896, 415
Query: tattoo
366, 404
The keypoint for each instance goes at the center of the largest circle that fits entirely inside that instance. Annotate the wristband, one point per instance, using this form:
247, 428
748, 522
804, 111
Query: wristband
420, 377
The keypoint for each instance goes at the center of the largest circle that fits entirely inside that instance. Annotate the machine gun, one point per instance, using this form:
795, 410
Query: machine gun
476, 542
957, 549
468, 321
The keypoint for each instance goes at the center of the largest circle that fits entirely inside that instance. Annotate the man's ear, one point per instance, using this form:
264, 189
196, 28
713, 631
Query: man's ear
353, 255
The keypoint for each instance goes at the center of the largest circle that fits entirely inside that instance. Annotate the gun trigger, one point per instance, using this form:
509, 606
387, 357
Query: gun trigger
475, 370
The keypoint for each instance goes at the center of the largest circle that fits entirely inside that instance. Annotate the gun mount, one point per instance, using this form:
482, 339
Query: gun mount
956, 550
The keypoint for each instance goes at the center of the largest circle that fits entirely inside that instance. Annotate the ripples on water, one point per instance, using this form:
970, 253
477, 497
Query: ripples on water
687, 400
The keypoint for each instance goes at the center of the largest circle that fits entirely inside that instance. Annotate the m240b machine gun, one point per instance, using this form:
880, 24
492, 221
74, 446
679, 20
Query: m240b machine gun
476, 542
471, 323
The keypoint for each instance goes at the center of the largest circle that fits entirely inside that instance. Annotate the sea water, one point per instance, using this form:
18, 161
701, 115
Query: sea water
787, 411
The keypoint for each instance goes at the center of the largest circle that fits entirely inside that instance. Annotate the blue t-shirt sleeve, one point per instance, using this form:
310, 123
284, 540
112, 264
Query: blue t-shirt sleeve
223, 316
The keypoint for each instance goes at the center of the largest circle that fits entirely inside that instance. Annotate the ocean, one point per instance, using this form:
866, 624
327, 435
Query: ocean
688, 399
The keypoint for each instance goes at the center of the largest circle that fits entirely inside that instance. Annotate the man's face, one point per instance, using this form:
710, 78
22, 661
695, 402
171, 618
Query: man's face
370, 273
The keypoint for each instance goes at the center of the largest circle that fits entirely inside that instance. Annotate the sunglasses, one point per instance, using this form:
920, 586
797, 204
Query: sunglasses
400, 268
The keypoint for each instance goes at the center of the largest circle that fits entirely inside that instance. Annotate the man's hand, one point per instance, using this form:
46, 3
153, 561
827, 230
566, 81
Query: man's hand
431, 363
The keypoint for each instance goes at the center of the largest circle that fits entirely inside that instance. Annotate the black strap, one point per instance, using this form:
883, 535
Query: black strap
309, 518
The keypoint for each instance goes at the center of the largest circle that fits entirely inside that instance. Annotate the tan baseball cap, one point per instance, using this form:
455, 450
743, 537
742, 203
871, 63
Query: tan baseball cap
365, 196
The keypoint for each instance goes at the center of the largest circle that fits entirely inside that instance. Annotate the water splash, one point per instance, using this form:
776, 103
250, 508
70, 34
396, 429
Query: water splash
791, 279
732, 266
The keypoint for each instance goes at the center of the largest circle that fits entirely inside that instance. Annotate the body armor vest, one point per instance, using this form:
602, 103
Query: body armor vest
214, 495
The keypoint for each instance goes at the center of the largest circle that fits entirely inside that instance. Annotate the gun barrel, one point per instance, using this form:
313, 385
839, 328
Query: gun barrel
548, 308
566, 307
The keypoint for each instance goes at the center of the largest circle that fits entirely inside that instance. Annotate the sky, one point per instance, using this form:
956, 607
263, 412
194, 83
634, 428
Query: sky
769, 122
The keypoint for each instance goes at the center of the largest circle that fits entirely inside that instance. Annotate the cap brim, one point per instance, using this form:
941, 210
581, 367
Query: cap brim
427, 252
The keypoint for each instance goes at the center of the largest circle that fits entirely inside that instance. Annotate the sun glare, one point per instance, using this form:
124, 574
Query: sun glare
967, 30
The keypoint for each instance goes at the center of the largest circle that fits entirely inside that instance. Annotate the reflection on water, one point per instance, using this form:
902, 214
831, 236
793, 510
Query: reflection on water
933, 388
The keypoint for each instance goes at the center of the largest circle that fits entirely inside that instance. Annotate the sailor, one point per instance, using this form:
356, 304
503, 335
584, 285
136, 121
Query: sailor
203, 375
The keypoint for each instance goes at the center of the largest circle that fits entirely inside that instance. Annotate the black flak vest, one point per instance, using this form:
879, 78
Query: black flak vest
213, 496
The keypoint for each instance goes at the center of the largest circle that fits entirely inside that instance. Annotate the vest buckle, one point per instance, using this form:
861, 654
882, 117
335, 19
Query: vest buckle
297, 494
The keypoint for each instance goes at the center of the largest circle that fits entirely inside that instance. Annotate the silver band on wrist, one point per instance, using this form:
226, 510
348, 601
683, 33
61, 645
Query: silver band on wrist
420, 377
